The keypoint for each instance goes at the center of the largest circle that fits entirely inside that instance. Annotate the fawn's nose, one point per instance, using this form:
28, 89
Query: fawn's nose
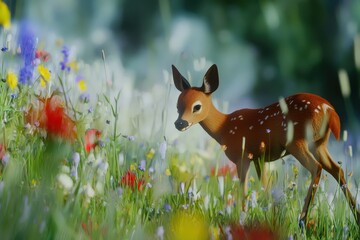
181, 124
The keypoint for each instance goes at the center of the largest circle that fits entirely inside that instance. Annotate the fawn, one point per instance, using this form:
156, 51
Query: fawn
299, 125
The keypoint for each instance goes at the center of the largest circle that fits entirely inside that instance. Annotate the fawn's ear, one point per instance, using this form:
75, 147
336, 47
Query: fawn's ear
211, 80
180, 82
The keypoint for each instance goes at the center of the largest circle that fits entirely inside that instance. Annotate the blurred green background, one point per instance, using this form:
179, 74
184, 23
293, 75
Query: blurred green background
264, 49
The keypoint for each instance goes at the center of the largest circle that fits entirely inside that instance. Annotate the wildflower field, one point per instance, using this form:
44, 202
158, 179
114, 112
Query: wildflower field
86, 154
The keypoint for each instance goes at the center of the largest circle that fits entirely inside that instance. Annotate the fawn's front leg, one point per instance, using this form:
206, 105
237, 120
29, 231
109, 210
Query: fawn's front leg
243, 169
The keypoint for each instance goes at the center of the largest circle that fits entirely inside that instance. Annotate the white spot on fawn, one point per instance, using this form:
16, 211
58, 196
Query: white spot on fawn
251, 127
283, 106
290, 132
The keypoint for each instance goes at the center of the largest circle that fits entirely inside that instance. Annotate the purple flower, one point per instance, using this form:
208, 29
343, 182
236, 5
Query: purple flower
64, 63
268, 130
142, 166
84, 97
27, 44
167, 207
4, 49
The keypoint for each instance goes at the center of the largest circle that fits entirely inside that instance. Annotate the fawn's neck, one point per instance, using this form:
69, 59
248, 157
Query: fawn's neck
214, 123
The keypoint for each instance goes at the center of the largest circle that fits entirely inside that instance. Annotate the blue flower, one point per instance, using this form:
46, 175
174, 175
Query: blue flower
27, 44
64, 63
167, 207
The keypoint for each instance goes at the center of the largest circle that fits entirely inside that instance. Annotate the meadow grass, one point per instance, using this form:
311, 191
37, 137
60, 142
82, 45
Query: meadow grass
136, 187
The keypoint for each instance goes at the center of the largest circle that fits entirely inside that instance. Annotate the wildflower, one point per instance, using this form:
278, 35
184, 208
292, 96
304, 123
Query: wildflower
44, 75
121, 159
51, 117
182, 187
65, 181
64, 64
259, 232
4, 49
85, 98
42, 55
119, 191
13, 96
206, 202
167, 207
221, 185
185, 225
225, 170
160, 232
162, 150
2, 151
92, 137
129, 179
81, 83
12, 80
253, 199
5, 159
27, 44
133, 167
242, 218
88, 191
73, 65
142, 166
268, 130
131, 138
5, 15
278, 195
150, 154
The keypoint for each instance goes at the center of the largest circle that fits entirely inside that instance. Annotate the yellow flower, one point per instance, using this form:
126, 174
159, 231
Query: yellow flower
82, 85
150, 154
167, 172
44, 74
5, 15
73, 65
185, 225
12, 80
133, 167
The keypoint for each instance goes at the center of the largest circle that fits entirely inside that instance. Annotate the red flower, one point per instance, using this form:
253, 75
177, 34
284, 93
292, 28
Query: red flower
42, 55
224, 170
129, 179
261, 232
51, 117
92, 137
2, 151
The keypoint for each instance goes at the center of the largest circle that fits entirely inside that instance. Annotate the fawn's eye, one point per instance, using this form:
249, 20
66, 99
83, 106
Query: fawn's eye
196, 108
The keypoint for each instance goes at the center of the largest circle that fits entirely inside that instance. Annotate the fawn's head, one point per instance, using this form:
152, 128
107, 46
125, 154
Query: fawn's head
194, 102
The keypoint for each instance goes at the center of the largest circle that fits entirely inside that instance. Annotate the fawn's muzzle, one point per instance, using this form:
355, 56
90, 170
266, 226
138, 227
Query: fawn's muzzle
181, 125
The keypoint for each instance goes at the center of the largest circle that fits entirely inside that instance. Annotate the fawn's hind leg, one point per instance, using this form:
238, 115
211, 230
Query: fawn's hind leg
301, 152
336, 171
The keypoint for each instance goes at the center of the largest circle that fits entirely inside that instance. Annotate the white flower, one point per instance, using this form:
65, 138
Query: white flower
182, 187
162, 150
160, 232
76, 159
121, 159
88, 191
253, 199
206, 202
221, 185
65, 181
